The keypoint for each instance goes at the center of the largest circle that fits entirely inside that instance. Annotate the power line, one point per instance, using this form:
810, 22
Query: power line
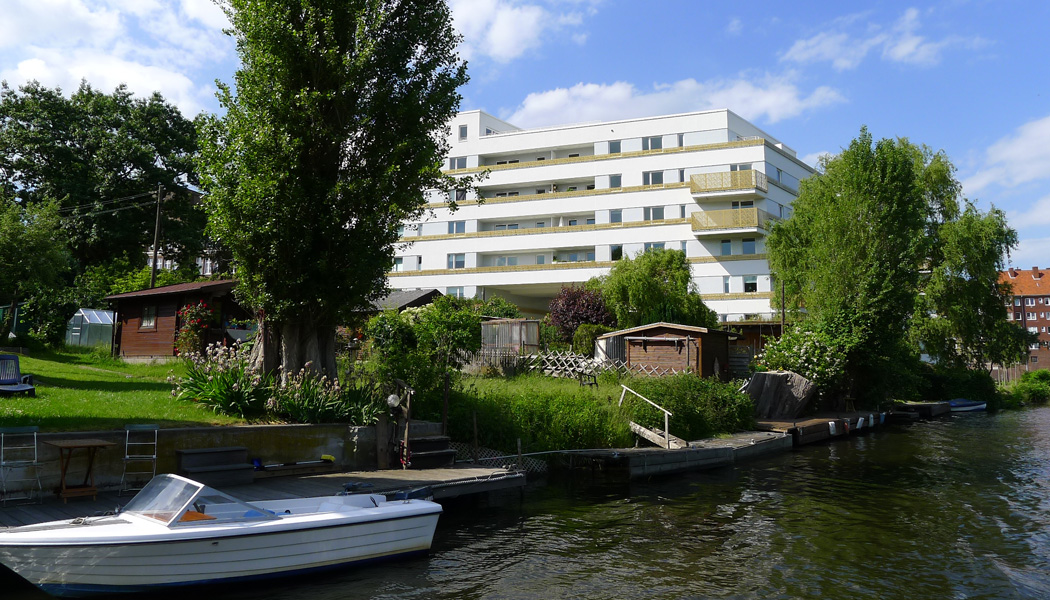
110, 211
104, 202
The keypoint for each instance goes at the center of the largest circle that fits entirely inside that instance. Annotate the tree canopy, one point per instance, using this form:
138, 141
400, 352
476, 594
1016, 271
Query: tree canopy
333, 131
96, 154
33, 254
883, 259
657, 285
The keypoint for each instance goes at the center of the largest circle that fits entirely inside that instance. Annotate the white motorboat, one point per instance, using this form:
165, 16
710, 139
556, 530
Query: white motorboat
177, 532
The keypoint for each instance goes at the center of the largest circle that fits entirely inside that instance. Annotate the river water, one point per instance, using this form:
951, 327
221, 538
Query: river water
954, 508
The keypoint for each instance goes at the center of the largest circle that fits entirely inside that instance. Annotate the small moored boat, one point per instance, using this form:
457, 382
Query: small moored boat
964, 405
177, 532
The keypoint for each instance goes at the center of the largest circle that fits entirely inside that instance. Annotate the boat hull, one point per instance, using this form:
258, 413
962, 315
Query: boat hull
74, 570
963, 405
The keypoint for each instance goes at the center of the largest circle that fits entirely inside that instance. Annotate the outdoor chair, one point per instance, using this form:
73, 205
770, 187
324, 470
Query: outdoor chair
140, 457
19, 476
11, 379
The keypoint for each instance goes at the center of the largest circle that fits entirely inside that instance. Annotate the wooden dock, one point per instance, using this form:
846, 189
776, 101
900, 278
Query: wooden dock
818, 428
636, 463
444, 483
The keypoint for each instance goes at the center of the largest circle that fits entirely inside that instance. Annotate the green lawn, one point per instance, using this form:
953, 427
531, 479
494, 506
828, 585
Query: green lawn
81, 391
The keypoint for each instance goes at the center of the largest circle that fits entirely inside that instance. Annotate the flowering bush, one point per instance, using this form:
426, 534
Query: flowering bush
195, 320
812, 353
223, 379
306, 398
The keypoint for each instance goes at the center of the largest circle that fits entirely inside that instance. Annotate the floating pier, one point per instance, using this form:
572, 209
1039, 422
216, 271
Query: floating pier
445, 484
636, 463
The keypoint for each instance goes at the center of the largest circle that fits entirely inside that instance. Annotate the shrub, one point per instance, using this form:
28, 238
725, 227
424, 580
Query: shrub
812, 353
1032, 391
586, 334
305, 397
701, 407
195, 319
573, 307
222, 379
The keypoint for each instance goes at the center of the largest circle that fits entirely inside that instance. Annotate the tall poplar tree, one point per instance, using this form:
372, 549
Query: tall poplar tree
335, 127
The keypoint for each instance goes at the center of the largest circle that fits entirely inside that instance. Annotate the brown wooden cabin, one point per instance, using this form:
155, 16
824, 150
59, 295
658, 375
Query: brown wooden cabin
668, 346
146, 321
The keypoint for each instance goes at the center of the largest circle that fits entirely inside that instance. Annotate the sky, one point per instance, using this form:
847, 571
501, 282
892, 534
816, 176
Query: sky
969, 77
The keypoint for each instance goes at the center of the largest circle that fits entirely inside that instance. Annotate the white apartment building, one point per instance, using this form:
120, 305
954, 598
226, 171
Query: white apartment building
561, 205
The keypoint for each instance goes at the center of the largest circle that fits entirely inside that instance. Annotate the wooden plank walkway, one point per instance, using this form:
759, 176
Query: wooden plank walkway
445, 484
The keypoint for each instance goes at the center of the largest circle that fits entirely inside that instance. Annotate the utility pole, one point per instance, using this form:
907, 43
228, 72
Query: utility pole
156, 240
783, 310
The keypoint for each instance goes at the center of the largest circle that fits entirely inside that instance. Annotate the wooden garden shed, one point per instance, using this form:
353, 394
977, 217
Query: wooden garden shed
147, 321
663, 347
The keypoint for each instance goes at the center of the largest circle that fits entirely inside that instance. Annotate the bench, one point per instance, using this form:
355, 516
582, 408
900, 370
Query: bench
216, 467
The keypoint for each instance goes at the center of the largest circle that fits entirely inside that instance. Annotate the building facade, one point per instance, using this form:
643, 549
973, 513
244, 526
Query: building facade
1029, 306
558, 206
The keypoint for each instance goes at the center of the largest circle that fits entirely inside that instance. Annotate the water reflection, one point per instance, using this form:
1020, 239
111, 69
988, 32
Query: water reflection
956, 508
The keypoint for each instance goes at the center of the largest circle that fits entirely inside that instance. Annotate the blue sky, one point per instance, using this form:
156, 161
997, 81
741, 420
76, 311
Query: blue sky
966, 76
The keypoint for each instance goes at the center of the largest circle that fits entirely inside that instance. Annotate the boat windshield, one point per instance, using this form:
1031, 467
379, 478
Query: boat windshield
163, 498
177, 501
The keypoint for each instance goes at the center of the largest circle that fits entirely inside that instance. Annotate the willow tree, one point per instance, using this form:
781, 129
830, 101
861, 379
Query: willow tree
335, 127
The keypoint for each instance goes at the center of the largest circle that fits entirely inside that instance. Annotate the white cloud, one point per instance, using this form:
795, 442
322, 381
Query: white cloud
1031, 252
899, 43
1019, 158
735, 26
503, 30
770, 98
813, 158
149, 45
1036, 214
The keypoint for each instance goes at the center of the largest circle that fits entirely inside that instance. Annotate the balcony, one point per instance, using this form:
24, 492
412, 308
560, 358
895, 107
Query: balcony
733, 220
749, 183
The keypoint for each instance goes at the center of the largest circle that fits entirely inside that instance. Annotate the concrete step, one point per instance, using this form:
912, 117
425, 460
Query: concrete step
429, 443
433, 459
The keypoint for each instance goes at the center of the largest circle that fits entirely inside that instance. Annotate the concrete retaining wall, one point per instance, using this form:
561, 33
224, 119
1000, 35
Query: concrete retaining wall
354, 448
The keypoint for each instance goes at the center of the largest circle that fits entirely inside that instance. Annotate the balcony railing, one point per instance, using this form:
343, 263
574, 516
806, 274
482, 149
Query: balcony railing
728, 181
733, 218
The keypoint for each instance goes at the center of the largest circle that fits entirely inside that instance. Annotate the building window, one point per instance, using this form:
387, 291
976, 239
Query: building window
457, 226
685, 247
574, 155
616, 215
455, 292
540, 259
654, 213
457, 163
457, 261
1017, 301
541, 224
681, 175
654, 246
653, 178
614, 147
590, 221
541, 191
1035, 359
615, 181
573, 222
457, 195
727, 247
462, 132
1017, 316
740, 167
750, 283
399, 264
1030, 316
653, 143
743, 204
590, 256
681, 140
616, 251
748, 245
149, 317
506, 261
725, 284
1029, 301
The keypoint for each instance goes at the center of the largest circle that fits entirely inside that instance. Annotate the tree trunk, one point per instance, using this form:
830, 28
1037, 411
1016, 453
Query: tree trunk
295, 345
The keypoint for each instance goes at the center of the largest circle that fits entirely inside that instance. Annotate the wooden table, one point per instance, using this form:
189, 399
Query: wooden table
65, 451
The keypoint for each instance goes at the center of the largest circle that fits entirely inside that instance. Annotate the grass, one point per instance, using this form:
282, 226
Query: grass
82, 390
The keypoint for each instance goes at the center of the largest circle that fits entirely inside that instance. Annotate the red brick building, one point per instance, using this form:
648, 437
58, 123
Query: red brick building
1030, 307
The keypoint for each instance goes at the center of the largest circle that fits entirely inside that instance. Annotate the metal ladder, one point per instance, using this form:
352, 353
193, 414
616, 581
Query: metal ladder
19, 466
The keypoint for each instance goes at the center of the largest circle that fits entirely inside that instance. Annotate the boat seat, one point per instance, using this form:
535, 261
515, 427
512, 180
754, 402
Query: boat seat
192, 515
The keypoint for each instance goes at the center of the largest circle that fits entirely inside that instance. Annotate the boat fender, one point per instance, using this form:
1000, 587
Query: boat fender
847, 426
860, 423
831, 428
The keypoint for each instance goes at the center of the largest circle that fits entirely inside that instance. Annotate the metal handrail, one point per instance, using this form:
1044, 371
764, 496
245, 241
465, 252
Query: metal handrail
667, 413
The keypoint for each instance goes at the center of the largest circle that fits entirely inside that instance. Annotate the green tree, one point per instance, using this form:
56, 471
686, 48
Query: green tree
960, 320
335, 128
863, 231
655, 286
33, 255
97, 154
